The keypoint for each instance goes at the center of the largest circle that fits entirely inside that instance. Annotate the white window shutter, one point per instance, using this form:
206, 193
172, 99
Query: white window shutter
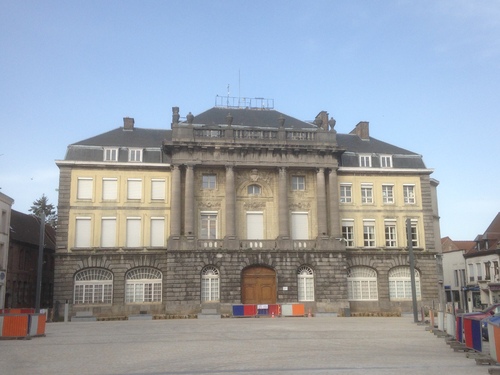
157, 231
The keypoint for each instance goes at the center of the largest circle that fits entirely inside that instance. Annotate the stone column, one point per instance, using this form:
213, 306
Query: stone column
230, 203
333, 204
189, 202
175, 207
321, 201
283, 215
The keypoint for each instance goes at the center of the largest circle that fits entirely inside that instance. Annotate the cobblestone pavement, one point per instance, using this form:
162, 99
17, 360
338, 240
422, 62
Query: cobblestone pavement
264, 346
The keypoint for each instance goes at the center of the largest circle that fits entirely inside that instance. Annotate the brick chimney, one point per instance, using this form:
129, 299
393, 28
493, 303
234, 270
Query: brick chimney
362, 130
128, 123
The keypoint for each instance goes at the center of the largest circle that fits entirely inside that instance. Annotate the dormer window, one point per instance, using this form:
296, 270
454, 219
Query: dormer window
365, 160
135, 154
385, 161
111, 154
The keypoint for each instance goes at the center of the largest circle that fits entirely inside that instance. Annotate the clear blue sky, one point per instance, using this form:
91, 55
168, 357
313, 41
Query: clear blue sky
425, 74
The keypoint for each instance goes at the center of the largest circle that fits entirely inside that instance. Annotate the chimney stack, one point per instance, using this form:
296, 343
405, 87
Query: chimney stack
128, 123
362, 130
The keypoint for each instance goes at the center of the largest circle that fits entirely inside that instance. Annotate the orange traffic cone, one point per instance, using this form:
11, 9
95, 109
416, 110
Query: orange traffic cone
309, 315
272, 315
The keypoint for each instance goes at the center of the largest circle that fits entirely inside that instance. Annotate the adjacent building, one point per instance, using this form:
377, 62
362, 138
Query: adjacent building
5, 212
244, 204
23, 263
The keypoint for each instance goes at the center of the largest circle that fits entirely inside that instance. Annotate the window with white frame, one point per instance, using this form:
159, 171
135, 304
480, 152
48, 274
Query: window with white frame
400, 284
300, 225
254, 189
84, 188
390, 233
108, 232
133, 234
209, 181
305, 280
298, 183
345, 193
414, 233
111, 154
208, 225
210, 281
157, 232
143, 284
470, 267
134, 189
369, 233
366, 193
362, 284
83, 234
365, 160
158, 189
388, 194
135, 154
409, 194
348, 232
93, 285
109, 189
386, 161
479, 271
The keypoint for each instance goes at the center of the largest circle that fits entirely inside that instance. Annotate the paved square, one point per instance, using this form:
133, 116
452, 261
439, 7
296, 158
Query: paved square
245, 346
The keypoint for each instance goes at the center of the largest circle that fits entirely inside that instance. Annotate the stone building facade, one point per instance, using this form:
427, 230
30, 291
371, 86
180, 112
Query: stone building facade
243, 205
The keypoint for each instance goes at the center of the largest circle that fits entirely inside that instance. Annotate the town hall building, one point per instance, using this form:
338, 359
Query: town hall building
243, 204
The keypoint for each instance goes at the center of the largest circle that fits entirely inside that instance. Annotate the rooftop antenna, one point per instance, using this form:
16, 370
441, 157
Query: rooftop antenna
239, 88
227, 103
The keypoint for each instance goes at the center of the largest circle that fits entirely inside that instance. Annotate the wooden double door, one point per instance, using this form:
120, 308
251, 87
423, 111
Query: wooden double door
258, 285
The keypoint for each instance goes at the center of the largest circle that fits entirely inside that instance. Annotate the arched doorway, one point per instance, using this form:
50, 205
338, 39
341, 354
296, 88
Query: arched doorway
258, 285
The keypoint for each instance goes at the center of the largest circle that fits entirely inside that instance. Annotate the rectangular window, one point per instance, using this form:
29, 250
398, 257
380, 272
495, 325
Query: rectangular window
366, 193
387, 194
134, 189
414, 233
365, 160
496, 270
300, 226
157, 232
471, 272
390, 233
158, 189
345, 193
108, 232
84, 188
255, 226
133, 232
298, 183
209, 181
109, 189
208, 225
83, 232
135, 154
456, 278
479, 271
369, 233
386, 161
409, 194
348, 232
111, 154
487, 268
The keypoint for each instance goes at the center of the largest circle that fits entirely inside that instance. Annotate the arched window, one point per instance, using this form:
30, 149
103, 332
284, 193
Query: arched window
400, 284
143, 284
93, 285
254, 189
210, 284
305, 280
362, 284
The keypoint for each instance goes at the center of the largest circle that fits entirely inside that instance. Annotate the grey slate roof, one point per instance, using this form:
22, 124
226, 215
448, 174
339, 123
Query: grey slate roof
137, 137
249, 117
91, 149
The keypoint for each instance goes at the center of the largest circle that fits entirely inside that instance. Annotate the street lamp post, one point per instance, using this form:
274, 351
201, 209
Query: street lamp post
40, 262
